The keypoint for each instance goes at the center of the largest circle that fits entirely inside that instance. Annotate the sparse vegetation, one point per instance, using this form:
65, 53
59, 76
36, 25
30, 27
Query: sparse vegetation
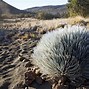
39, 25
47, 16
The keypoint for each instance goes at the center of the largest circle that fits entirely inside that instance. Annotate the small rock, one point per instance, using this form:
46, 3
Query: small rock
39, 80
28, 64
24, 51
21, 58
29, 77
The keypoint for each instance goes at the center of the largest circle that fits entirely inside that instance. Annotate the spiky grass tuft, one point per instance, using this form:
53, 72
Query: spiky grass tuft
64, 52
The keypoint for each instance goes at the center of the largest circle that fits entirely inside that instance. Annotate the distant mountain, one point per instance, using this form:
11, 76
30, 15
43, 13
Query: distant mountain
7, 9
61, 9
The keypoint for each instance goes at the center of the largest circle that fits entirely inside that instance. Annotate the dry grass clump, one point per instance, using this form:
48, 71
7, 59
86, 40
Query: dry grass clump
75, 20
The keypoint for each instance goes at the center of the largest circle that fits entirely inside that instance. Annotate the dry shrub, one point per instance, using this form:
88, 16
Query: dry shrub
25, 36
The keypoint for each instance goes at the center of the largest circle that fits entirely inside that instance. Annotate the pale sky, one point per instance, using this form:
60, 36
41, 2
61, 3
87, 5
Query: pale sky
24, 4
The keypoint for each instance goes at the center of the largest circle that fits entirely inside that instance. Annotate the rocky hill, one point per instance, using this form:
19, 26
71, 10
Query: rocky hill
6, 9
58, 9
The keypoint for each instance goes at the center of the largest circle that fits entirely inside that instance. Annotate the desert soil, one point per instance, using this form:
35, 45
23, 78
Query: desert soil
17, 40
